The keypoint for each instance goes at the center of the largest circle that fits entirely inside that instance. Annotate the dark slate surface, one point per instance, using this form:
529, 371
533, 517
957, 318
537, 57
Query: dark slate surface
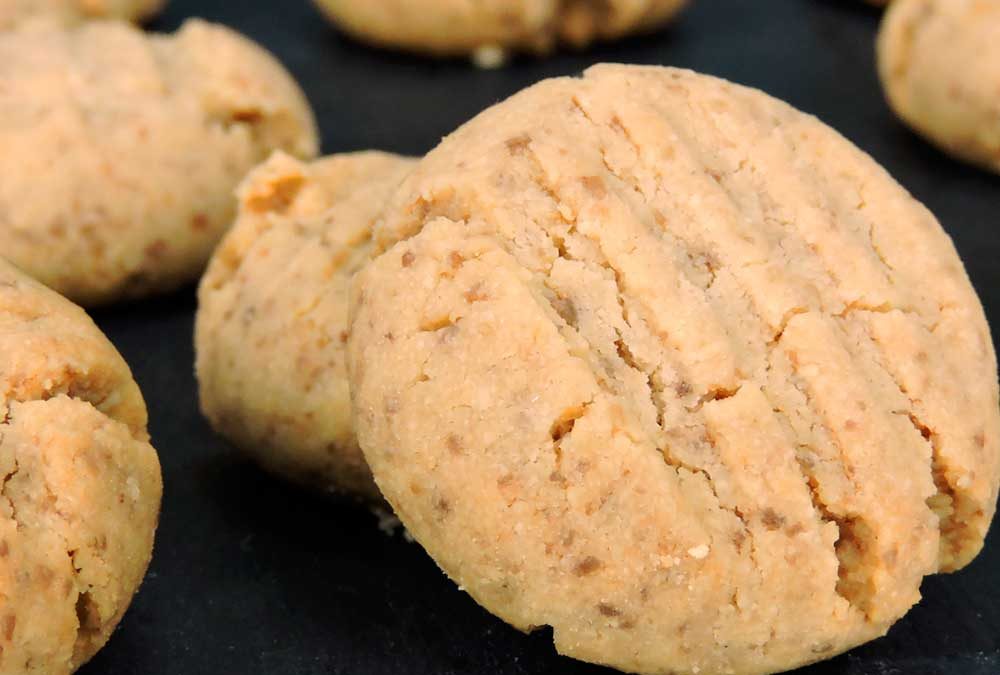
252, 576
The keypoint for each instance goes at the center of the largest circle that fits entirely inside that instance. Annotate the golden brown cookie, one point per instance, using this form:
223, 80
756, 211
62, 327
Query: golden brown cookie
79, 483
939, 61
455, 27
121, 150
665, 364
22, 13
272, 318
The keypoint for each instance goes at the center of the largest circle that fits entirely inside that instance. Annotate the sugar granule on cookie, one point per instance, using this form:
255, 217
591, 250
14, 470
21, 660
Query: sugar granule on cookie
662, 363
79, 483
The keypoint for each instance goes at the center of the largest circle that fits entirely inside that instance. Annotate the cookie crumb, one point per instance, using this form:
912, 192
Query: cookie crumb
388, 522
489, 57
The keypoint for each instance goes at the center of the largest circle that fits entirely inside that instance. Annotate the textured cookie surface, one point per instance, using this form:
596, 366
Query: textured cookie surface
21, 13
939, 61
673, 368
122, 150
79, 483
272, 319
459, 26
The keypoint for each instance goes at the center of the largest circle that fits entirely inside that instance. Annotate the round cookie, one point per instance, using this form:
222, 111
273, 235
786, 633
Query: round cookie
456, 27
939, 62
79, 482
272, 319
21, 13
662, 363
122, 150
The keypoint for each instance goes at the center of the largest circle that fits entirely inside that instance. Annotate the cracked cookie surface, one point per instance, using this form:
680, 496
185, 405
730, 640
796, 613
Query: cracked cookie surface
450, 27
665, 364
271, 328
939, 62
122, 150
29, 13
79, 482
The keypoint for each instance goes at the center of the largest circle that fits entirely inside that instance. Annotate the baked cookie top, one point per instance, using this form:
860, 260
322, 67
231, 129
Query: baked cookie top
80, 489
449, 27
271, 327
665, 364
121, 150
22, 13
939, 61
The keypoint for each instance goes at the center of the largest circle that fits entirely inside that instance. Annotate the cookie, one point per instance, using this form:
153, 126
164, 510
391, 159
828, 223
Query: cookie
457, 27
271, 326
936, 60
79, 482
21, 13
122, 150
662, 363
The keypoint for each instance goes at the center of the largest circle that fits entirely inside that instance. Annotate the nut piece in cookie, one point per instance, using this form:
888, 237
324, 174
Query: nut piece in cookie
48, 13
939, 61
661, 362
271, 328
79, 482
489, 27
122, 150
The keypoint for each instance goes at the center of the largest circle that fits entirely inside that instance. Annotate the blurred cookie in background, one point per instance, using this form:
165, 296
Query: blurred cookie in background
490, 29
272, 318
21, 13
939, 61
122, 150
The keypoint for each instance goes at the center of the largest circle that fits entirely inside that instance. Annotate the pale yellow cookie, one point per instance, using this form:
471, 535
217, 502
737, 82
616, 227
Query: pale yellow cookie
450, 27
30, 13
79, 483
939, 61
121, 150
665, 364
272, 318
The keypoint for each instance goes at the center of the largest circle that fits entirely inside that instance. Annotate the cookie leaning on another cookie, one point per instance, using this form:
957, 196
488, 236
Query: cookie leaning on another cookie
80, 487
673, 368
122, 150
272, 318
939, 61
457, 27
29, 13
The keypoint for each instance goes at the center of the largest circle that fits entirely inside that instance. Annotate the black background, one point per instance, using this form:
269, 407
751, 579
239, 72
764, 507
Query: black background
253, 576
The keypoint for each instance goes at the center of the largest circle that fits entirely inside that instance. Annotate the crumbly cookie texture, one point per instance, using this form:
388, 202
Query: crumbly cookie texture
122, 150
79, 482
31, 13
454, 27
665, 364
939, 61
271, 327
